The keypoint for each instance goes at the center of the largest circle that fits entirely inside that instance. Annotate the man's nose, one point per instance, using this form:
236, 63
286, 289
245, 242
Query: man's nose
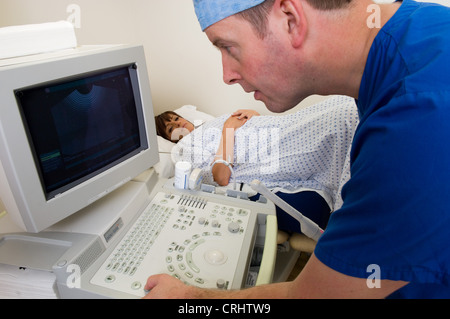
230, 75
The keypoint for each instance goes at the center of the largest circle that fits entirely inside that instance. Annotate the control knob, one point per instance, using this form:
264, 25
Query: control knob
233, 227
220, 283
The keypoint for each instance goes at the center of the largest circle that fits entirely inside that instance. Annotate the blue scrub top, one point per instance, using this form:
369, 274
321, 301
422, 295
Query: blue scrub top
396, 205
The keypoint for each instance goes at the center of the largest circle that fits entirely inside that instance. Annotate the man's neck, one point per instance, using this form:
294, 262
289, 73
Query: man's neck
346, 37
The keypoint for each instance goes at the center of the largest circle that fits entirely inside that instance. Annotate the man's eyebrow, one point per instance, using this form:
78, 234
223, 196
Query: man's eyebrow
220, 43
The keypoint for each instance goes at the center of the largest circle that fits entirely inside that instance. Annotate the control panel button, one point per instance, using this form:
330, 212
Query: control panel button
215, 257
234, 227
220, 283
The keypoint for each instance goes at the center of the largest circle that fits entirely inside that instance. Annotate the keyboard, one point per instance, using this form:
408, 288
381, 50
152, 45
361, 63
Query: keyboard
192, 238
129, 256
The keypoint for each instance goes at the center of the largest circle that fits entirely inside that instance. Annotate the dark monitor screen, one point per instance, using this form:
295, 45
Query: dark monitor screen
81, 126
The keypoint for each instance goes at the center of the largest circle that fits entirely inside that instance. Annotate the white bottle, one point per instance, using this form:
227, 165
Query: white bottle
182, 173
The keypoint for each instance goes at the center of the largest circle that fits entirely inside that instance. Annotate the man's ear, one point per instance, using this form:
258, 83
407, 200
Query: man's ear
295, 21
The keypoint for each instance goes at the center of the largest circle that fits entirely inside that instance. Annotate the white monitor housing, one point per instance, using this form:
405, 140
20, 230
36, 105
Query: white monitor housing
74, 126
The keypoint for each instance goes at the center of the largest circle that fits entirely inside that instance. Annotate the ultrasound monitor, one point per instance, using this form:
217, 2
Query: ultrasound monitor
73, 128
86, 125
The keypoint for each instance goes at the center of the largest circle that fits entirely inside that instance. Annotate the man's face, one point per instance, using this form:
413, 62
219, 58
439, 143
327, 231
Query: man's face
262, 66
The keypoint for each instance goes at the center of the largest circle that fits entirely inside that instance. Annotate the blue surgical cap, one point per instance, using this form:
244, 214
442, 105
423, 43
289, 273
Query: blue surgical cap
212, 11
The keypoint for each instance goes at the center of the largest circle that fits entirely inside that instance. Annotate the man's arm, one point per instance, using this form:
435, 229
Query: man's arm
315, 281
319, 281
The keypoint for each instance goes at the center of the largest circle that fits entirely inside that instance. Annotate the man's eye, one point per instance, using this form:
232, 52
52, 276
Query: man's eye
231, 51
228, 49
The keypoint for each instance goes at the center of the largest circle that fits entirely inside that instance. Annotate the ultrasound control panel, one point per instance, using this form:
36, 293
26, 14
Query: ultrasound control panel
193, 238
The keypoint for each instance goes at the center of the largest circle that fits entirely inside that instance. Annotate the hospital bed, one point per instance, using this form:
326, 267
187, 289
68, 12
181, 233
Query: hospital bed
166, 169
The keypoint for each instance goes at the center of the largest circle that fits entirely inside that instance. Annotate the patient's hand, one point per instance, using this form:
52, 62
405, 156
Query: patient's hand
234, 122
239, 118
245, 114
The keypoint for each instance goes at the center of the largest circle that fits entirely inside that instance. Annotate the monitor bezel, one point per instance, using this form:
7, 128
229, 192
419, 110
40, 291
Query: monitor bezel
132, 72
21, 190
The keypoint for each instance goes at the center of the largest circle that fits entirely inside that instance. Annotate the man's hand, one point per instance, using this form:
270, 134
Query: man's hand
166, 287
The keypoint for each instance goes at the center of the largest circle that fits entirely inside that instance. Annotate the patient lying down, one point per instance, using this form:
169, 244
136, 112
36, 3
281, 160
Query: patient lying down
304, 157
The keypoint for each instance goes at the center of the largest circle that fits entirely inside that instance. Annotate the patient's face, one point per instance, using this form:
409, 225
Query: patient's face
177, 128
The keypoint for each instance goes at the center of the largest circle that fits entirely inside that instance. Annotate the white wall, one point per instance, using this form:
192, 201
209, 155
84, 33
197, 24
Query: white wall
184, 68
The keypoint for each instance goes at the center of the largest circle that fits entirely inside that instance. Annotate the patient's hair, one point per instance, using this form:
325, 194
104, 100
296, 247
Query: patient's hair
161, 122
257, 15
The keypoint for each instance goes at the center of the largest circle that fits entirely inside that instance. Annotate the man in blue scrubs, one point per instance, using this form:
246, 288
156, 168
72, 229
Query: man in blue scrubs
390, 238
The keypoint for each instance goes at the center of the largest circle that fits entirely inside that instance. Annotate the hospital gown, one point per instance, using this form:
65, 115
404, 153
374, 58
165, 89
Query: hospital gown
309, 149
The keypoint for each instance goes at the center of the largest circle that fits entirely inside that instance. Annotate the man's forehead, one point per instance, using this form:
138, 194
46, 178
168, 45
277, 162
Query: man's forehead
212, 11
228, 31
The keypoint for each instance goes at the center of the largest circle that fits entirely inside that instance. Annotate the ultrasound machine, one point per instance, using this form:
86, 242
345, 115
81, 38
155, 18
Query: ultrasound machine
78, 142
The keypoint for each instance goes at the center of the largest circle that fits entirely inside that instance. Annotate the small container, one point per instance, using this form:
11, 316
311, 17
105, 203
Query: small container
182, 173
195, 179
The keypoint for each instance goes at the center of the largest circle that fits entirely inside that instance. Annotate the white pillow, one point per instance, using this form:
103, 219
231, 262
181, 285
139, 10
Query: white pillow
190, 113
166, 167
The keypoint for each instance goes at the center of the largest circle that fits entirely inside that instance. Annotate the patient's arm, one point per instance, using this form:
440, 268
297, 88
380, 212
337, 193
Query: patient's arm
221, 172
